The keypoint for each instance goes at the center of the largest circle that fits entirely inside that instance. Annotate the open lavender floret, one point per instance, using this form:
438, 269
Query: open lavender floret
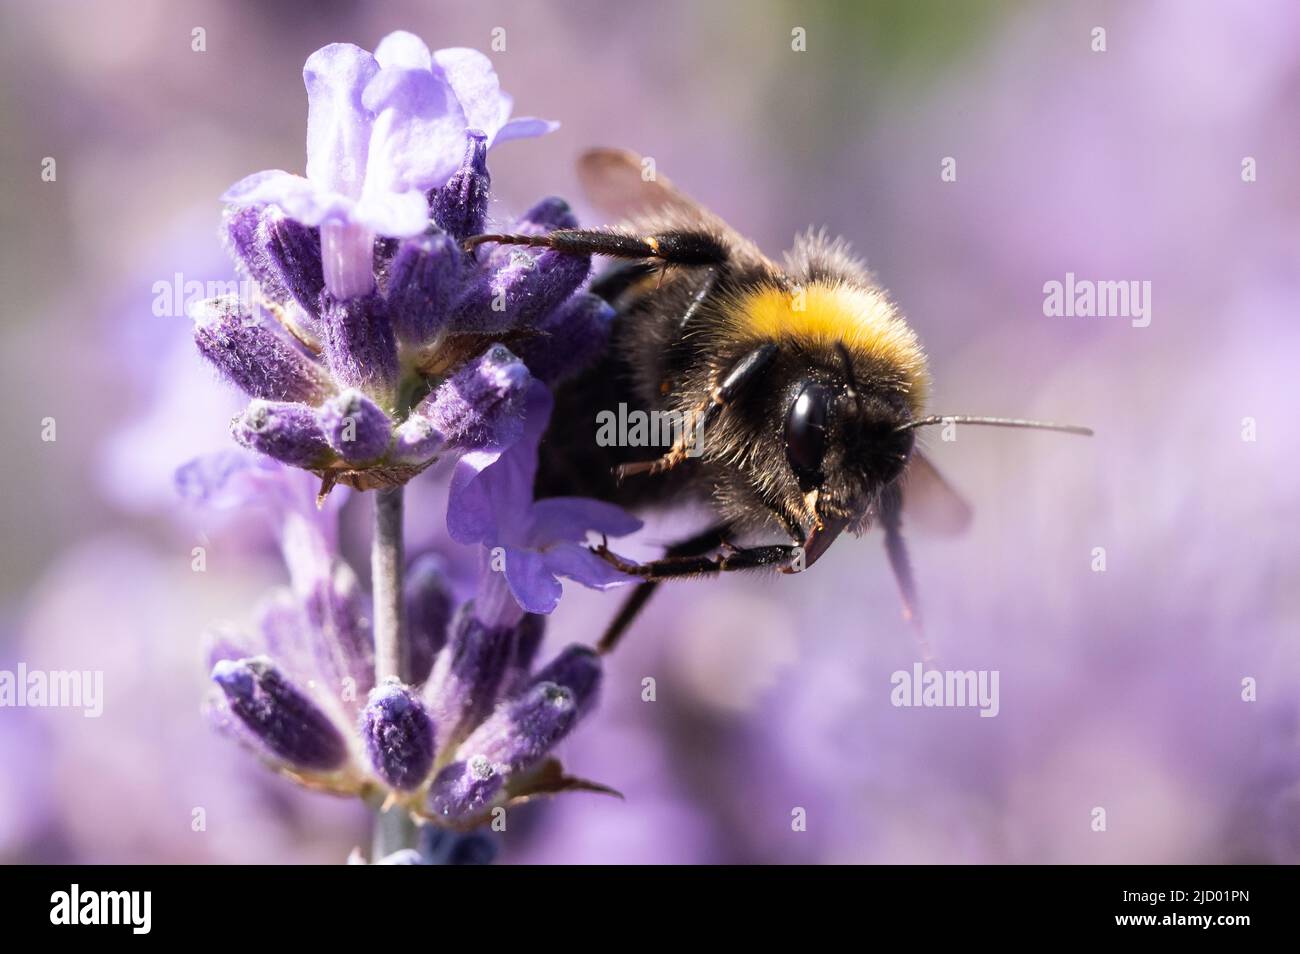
375, 343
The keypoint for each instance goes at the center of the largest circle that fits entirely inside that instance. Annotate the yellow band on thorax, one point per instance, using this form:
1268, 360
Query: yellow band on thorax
818, 315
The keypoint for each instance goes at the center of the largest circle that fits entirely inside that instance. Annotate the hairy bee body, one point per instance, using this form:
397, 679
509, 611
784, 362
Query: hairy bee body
802, 384
676, 335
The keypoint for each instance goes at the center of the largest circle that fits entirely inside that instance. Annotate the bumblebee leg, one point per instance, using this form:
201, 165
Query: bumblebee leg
777, 556
709, 280
747, 369
677, 247
891, 519
703, 542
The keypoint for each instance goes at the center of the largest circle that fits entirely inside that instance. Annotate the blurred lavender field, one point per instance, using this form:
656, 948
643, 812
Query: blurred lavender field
1121, 688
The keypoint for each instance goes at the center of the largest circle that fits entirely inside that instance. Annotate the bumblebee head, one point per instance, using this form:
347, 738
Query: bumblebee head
843, 446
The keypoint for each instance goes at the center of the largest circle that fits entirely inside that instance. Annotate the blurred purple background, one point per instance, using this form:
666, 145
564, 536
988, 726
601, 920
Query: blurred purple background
1120, 689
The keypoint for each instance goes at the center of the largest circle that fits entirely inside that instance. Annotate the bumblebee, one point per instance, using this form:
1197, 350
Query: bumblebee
804, 384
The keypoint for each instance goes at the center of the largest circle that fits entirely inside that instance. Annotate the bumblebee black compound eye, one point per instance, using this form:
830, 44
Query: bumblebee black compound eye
807, 433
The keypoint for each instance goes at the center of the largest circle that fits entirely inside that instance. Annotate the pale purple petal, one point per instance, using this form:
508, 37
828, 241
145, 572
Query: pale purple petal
268, 187
225, 479
393, 214
232, 479
570, 519
403, 50
577, 563
491, 493
524, 127
470, 518
419, 131
474, 81
338, 124
301, 199
534, 586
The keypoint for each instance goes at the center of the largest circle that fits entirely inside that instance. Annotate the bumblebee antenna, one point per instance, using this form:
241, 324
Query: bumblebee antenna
995, 422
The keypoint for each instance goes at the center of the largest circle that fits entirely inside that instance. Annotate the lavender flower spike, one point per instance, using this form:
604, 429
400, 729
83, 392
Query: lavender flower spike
355, 427
255, 357
379, 350
288, 432
398, 735
281, 717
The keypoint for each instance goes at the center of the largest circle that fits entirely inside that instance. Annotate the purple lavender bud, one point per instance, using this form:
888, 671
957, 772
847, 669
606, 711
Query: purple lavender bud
521, 290
242, 232
464, 789
467, 675
481, 405
359, 345
519, 733
571, 338
341, 637
287, 432
255, 357
424, 275
547, 215
282, 717
460, 206
416, 440
355, 426
577, 669
294, 251
528, 639
429, 610
399, 736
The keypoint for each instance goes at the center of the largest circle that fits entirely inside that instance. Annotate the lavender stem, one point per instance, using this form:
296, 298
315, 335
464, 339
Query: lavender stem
393, 829
386, 566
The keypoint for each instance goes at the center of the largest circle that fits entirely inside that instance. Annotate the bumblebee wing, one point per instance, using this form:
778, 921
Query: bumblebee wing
929, 501
626, 187
623, 185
